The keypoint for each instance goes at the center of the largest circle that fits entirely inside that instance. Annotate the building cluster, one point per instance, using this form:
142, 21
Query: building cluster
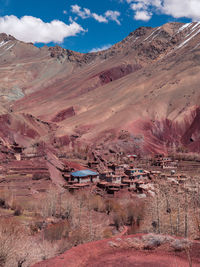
165, 162
35, 170
112, 180
118, 177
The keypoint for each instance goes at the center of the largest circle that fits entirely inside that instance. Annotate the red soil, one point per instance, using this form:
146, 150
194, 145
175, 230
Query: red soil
100, 253
117, 73
76, 166
64, 114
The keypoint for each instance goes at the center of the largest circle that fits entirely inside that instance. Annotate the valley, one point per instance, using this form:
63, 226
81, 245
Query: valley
100, 151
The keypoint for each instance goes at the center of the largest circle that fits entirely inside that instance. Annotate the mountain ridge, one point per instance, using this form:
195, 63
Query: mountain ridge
141, 85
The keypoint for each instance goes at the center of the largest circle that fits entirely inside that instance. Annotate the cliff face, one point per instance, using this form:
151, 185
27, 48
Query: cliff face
147, 86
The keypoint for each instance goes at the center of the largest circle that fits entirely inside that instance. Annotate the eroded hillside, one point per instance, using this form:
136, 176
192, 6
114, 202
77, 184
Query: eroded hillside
143, 90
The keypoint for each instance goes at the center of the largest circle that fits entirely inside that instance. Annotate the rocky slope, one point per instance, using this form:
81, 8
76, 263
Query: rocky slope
141, 94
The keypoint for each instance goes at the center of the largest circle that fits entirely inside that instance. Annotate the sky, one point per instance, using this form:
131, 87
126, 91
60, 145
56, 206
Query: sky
88, 25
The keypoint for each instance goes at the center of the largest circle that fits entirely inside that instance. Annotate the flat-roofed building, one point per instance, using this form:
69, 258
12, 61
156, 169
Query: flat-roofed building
85, 176
115, 179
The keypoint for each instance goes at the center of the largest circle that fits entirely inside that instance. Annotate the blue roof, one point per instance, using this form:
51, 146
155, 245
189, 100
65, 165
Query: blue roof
83, 173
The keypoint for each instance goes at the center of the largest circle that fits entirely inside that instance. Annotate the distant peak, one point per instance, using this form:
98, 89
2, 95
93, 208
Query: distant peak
140, 31
5, 37
171, 27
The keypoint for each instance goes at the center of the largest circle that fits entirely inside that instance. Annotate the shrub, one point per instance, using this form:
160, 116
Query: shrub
37, 176
108, 206
97, 204
57, 231
18, 211
36, 227
111, 205
119, 219
180, 244
152, 241
2, 203
107, 233
130, 214
12, 233
79, 236
3, 257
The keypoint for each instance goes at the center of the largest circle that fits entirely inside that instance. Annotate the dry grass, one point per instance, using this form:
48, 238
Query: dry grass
190, 156
61, 220
151, 241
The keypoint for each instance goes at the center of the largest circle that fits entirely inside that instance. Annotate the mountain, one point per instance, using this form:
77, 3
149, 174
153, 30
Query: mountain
141, 95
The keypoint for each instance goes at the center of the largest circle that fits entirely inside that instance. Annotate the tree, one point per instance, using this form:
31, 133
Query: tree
50, 203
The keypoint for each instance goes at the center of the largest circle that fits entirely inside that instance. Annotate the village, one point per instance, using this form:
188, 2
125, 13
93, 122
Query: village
60, 197
32, 173
138, 176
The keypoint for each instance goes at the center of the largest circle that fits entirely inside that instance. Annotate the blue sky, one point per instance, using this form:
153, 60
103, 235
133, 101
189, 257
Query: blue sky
88, 25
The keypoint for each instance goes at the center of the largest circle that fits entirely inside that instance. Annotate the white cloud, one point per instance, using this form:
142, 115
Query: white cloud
99, 18
113, 15
156, 3
137, 6
142, 15
31, 29
85, 13
142, 8
184, 8
175, 8
104, 47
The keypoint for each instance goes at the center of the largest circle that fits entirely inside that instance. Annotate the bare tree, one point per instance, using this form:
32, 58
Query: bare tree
50, 203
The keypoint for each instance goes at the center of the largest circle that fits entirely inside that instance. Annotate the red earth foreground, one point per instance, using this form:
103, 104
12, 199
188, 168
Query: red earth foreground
116, 252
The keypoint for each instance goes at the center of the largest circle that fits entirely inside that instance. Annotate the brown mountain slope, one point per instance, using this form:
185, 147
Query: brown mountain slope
143, 91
